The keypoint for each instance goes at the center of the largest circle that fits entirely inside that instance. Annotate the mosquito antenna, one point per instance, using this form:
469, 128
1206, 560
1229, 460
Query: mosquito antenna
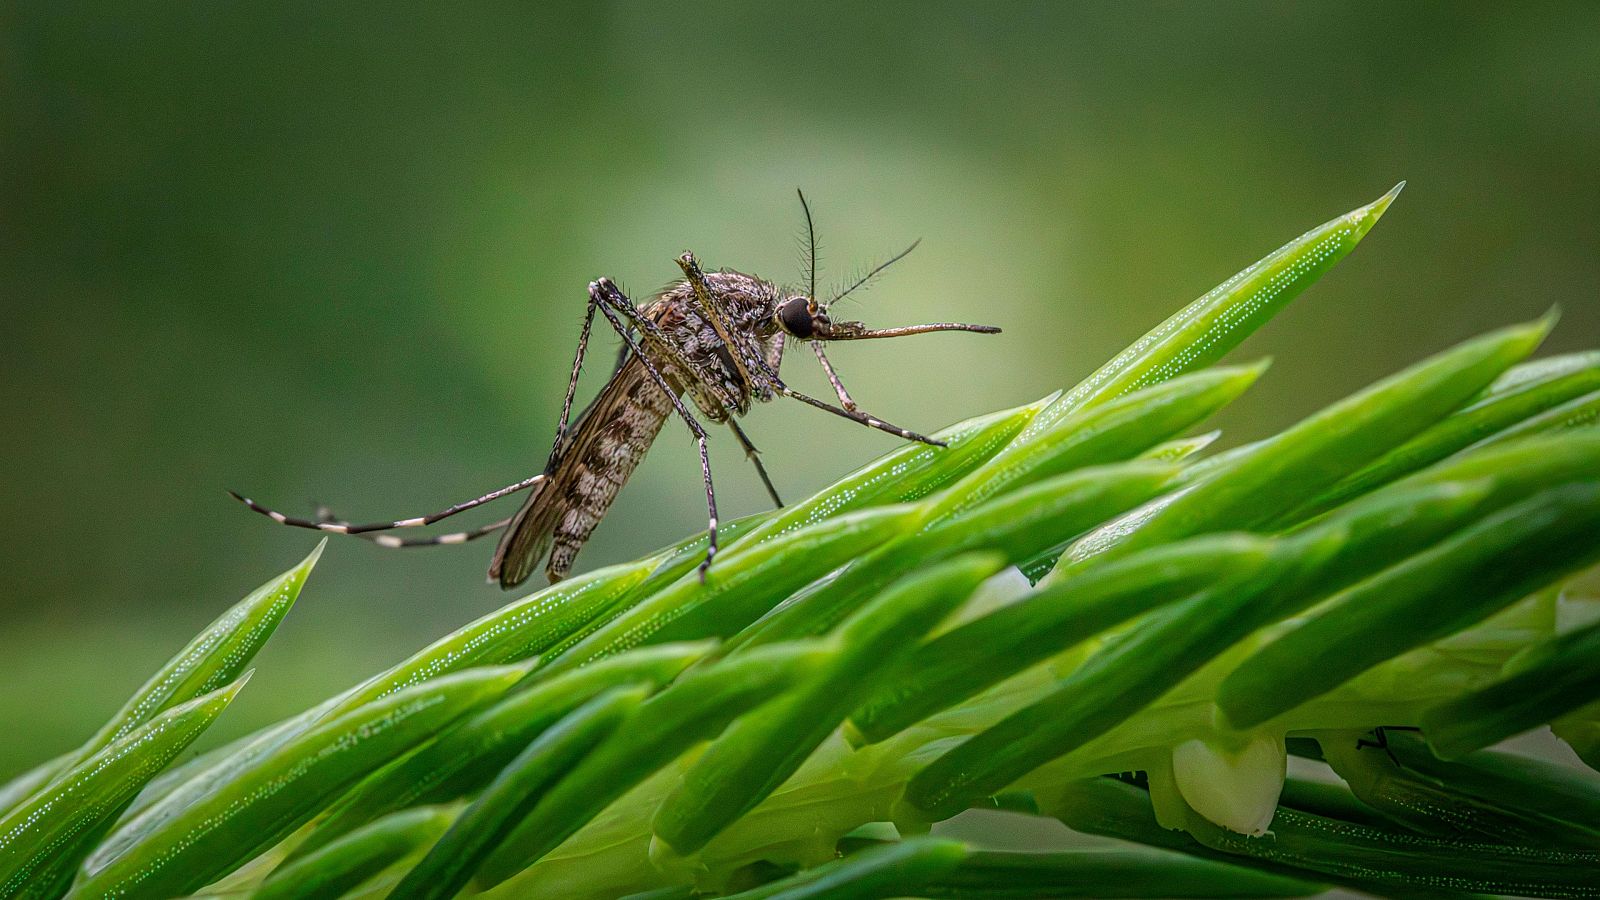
870, 275
811, 246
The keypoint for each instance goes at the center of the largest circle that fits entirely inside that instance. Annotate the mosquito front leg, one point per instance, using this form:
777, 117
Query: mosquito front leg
415, 522
572, 386
856, 415
605, 295
845, 399
754, 455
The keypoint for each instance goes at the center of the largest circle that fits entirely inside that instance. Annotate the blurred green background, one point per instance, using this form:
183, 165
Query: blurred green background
338, 252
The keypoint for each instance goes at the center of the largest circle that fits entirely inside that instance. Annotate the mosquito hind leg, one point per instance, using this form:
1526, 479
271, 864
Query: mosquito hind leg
607, 297
325, 515
415, 522
754, 455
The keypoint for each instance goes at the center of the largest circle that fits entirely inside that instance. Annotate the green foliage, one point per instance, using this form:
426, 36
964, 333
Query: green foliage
874, 655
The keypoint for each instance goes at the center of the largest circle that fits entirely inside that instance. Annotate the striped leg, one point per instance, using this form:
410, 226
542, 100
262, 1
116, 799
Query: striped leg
855, 415
604, 294
572, 388
754, 455
845, 399
326, 515
416, 522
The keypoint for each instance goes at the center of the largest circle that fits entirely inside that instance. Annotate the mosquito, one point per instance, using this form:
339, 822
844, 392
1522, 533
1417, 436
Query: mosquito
717, 338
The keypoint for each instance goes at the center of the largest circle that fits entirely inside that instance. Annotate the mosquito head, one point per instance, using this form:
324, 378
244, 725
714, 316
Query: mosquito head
803, 318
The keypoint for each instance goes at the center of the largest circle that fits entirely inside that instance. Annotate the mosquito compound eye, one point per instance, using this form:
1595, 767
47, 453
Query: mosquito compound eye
795, 315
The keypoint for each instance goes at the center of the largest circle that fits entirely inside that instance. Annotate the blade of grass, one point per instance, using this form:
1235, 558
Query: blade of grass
38, 836
1464, 579
513, 794
1202, 332
1318, 451
163, 857
1541, 684
964, 661
345, 863
696, 708
761, 750
470, 753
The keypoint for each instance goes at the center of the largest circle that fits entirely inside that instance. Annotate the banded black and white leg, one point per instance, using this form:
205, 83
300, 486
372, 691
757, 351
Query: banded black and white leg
384, 539
605, 295
338, 527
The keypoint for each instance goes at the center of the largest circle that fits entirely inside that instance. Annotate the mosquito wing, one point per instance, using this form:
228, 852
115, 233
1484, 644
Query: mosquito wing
607, 442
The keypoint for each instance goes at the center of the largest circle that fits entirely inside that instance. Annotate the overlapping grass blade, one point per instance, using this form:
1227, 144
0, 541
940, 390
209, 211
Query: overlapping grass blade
345, 863
1018, 525
1540, 685
695, 708
1464, 579
1510, 408
742, 585
167, 855
469, 754
1384, 861
961, 662
1119, 429
39, 837
1298, 464
513, 794
1485, 796
762, 749
1142, 662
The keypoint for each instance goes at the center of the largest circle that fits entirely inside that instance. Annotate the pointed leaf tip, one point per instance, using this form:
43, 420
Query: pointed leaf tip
1367, 216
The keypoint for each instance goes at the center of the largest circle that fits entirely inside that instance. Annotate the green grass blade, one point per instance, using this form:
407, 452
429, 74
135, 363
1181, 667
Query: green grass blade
1536, 372
1301, 462
1545, 682
216, 656
1180, 449
1387, 862
513, 794
1487, 796
1095, 874
1133, 669
963, 661
1462, 580
161, 855
1018, 525
1578, 412
1531, 406
470, 753
907, 474
742, 585
344, 864
889, 870
1119, 429
695, 708
1202, 332
761, 750
38, 836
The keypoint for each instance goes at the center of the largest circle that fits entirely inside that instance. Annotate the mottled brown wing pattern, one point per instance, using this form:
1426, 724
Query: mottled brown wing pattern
606, 445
